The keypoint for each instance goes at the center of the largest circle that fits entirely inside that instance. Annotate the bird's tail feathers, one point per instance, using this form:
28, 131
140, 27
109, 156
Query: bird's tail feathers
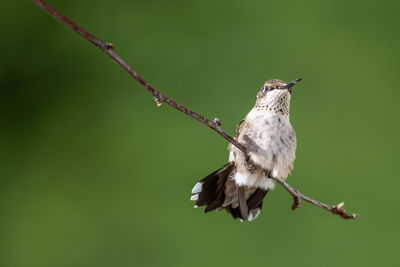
219, 191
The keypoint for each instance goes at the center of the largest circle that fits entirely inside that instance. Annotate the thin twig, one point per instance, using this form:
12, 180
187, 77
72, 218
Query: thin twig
107, 48
158, 96
338, 210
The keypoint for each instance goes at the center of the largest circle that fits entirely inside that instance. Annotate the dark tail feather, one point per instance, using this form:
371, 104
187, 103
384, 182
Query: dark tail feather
254, 205
210, 192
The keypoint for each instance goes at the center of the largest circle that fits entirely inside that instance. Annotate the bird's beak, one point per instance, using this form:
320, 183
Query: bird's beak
289, 85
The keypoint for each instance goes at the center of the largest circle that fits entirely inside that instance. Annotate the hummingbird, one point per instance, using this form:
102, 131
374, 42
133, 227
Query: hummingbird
240, 186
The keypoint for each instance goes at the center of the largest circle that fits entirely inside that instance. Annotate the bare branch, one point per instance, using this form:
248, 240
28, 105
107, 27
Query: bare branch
159, 98
338, 210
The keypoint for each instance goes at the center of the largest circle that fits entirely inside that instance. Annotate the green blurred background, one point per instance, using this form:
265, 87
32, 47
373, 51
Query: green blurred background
94, 174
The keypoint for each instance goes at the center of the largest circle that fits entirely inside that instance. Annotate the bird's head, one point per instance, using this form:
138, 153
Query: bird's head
275, 96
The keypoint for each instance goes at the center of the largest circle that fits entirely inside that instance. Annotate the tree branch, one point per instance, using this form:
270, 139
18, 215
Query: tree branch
159, 98
338, 210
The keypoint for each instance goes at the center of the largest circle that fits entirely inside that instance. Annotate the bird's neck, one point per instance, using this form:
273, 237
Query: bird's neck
276, 102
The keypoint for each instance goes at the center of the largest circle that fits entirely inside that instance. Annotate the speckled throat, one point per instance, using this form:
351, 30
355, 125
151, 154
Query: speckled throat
277, 101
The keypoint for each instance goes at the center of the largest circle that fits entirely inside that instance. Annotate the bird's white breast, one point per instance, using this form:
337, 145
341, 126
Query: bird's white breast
274, 139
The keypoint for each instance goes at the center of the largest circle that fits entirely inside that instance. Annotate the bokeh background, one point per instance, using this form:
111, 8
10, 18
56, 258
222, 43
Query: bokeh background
94, 174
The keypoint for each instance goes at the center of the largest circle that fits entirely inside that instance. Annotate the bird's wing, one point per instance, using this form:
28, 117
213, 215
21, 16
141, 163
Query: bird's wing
238, 129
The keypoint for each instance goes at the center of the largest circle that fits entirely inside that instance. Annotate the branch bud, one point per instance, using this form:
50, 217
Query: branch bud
217, 122
109, 46
158, 101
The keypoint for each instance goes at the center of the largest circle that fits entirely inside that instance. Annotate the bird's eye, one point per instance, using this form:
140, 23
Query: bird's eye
266, 88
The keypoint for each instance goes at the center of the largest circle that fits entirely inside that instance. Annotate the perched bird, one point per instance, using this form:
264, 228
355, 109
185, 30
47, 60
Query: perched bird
240, 186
